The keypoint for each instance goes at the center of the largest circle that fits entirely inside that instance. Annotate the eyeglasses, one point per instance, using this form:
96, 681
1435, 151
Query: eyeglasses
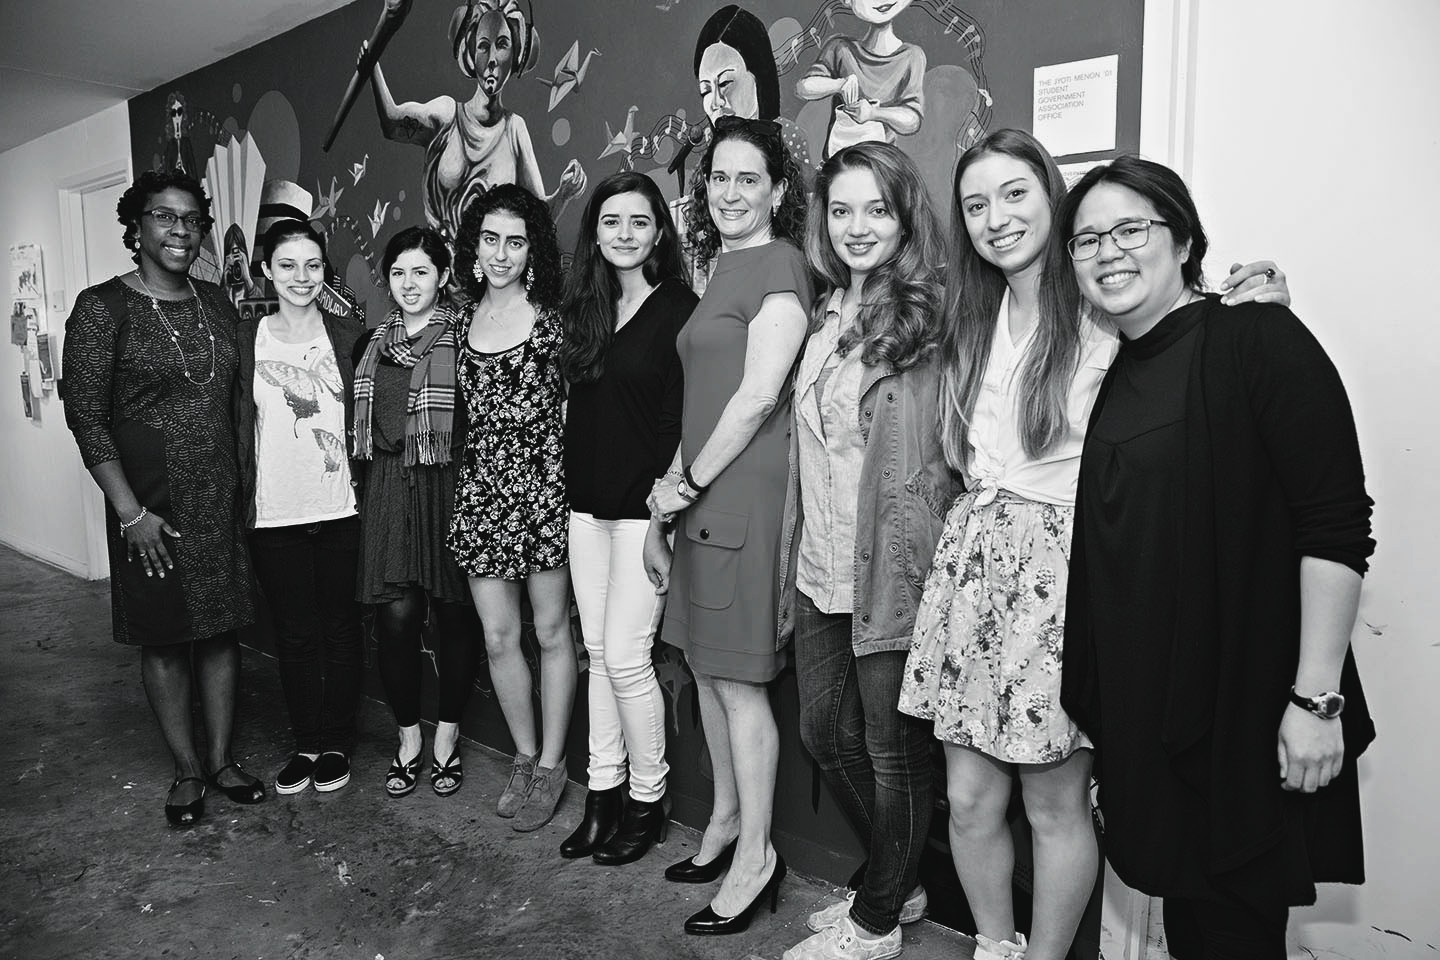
1129, 235
193, 221
762, 128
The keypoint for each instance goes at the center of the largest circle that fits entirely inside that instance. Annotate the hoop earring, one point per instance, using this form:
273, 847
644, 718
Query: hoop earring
529, 278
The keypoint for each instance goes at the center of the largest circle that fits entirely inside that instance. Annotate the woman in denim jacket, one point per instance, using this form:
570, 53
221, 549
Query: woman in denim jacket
869, 489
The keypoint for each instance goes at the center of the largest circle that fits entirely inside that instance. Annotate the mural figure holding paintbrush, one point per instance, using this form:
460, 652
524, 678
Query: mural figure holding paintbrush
471, 146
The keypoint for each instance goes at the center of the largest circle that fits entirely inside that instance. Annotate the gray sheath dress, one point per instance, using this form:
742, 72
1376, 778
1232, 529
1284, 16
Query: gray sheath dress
724, 589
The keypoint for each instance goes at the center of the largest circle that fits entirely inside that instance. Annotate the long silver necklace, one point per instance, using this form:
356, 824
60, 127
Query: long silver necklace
175, 334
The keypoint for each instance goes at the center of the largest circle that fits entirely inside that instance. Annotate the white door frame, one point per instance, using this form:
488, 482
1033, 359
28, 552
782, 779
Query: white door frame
71, 192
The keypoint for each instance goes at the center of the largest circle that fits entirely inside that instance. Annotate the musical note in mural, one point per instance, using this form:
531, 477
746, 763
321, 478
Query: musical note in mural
787, 52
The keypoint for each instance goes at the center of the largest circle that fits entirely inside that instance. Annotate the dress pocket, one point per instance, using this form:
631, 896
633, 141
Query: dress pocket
716, 538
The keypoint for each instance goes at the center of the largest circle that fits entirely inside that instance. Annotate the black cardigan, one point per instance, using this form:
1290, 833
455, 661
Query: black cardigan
1273, 474
343, 334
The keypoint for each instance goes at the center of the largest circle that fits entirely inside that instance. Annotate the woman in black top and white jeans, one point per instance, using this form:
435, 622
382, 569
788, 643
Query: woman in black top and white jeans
624, 306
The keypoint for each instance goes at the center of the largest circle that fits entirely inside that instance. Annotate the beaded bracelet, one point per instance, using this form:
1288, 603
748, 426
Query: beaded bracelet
126, 525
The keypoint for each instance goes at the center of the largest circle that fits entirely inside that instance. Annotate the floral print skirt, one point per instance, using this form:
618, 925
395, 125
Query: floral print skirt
985, 661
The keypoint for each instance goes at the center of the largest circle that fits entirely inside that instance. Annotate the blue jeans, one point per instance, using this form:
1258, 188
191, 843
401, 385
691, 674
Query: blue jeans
307, 573
876, 759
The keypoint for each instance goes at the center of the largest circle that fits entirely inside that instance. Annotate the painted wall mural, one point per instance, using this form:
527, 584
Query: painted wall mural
388, 113
556, 93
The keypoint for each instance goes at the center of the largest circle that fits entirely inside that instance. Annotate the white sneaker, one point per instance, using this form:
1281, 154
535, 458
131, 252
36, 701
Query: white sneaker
987, 949
843, 942
912, 911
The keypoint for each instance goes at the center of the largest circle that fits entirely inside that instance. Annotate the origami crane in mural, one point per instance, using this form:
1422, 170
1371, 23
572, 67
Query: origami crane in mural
569, 74
620, 142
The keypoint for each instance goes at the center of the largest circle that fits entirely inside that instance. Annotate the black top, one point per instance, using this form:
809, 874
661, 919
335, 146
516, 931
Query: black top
622, 429
1263, 469
1134, 478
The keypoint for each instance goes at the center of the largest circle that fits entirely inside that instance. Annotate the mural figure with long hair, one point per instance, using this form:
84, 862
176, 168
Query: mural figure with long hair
471, 146
736, 74
875, 82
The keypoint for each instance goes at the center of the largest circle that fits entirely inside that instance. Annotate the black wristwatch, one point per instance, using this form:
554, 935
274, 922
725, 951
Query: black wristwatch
1326, 706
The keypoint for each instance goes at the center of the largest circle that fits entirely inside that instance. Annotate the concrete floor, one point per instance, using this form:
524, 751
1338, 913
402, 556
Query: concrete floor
89, 867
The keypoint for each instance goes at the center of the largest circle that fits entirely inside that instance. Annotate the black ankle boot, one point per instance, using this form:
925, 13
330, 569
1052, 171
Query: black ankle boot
644, 824
602, 817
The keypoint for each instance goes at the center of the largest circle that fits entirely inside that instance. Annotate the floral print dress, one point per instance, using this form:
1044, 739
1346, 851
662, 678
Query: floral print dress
985, 661
511, 516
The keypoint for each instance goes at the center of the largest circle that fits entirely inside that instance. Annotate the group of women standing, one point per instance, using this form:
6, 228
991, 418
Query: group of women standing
1026, 490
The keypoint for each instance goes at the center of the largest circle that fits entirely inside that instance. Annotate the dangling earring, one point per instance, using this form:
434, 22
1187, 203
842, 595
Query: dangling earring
529, 278
479, 271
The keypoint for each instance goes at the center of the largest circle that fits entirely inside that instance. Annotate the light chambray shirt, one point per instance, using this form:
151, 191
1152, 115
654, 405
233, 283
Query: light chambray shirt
832, 450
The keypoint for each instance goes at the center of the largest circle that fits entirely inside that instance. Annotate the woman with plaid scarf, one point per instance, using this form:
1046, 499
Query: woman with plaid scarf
406, 432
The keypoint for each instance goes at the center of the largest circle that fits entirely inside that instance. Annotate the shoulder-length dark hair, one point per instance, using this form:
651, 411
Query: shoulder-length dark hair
702, 239
427, 240
900, 319
973, 290
592, 287
137, 196
746, 34
544, 255
1166, 192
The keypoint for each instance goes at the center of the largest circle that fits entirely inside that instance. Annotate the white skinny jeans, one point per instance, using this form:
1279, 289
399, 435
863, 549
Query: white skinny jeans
619, 613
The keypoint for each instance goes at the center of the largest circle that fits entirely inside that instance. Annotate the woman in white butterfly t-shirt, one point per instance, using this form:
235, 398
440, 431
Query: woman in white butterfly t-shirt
294, 407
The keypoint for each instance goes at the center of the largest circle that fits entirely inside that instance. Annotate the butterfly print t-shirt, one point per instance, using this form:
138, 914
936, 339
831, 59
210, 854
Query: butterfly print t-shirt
302, 475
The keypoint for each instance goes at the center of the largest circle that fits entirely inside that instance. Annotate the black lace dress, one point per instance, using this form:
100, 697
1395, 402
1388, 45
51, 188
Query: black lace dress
127, 398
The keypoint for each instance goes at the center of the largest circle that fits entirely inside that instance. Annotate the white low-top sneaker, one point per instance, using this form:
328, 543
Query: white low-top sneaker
912, 911
844, 942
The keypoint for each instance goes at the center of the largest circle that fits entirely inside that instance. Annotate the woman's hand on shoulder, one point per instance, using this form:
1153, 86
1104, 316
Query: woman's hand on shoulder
1261, 281
1311, 750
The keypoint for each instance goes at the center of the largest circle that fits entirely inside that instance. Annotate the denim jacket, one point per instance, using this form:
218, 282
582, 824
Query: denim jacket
906, 489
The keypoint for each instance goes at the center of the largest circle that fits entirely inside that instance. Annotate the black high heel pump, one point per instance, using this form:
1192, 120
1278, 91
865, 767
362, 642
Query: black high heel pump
688, 871
709, 923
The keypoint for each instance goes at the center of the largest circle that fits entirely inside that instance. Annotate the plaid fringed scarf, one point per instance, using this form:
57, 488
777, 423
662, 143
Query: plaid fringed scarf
430, 356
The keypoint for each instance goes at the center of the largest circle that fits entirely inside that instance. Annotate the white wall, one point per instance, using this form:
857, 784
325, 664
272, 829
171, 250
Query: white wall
1316, 142
42, 484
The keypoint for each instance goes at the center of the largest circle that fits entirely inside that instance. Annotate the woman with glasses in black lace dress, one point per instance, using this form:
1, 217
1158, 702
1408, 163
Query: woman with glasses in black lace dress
150, 360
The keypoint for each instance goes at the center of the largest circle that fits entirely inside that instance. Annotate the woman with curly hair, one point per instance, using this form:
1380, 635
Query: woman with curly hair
867, 471
726, 492
511, 517
150, 362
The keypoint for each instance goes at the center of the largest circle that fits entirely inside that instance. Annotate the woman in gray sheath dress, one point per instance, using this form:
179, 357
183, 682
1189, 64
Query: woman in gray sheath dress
725, 493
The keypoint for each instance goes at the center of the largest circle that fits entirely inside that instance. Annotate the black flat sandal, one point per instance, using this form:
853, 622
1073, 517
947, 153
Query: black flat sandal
248, 790
186, 814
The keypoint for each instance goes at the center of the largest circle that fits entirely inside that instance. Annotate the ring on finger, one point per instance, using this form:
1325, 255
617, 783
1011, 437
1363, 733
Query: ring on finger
1269, 274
